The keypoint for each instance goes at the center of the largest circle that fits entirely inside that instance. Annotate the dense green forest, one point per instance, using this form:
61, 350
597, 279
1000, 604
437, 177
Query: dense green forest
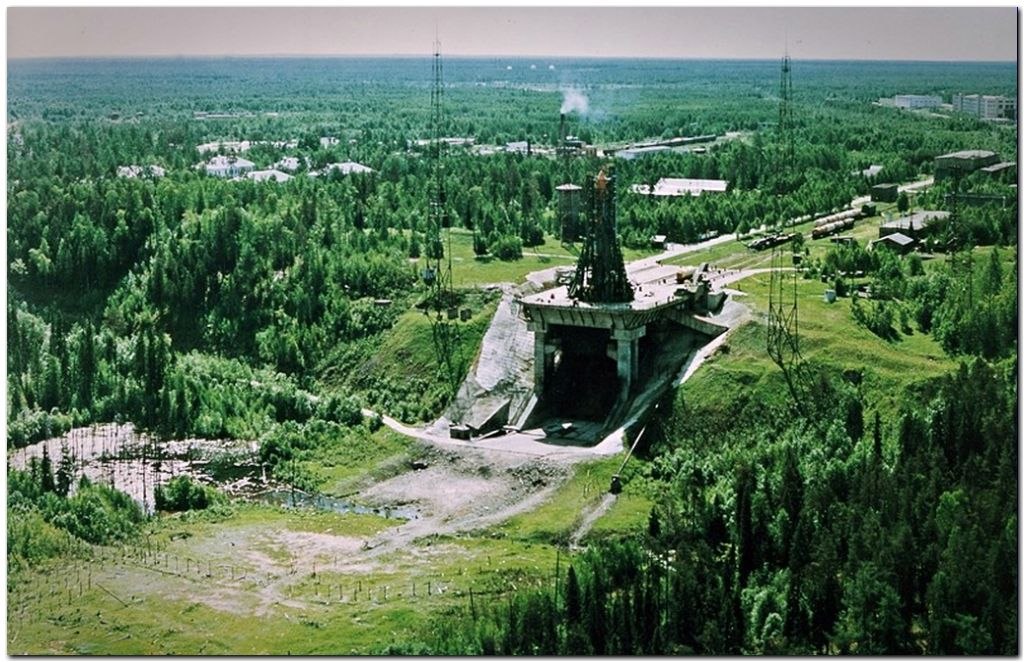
195, 306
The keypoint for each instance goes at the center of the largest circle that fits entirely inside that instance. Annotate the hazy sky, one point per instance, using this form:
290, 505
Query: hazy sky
918, 33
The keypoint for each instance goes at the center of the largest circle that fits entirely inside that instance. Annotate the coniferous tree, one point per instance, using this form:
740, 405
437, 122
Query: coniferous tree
46, 481
65, 471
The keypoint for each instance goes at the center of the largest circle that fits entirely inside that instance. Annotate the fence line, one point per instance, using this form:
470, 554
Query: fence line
316, 588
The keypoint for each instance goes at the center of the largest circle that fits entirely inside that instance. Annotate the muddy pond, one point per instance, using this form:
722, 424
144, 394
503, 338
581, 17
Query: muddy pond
136, 463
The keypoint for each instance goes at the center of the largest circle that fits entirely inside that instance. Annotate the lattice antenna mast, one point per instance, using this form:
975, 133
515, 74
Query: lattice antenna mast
785, 125
439, 255
438, 217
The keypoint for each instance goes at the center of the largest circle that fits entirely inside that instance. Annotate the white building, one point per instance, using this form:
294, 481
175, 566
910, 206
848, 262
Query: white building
268, 175
328, 141
133, 171
346, 168
289, 163
916, 101
235, 146
634, 152
671, 186
228, 166
870, 171
985, 106
518, 147
451, 142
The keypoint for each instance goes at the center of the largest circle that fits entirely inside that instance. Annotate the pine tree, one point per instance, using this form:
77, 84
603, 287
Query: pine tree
65, 471
46, 482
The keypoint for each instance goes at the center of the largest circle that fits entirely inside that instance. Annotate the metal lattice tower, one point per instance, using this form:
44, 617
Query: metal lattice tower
600, 275
437, 218
785, 125
442, 305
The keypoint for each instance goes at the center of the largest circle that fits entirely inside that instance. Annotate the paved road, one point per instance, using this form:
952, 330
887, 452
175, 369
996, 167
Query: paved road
674, 250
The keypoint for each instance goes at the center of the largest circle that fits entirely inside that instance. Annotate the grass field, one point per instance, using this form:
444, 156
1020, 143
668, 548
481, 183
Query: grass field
261, 580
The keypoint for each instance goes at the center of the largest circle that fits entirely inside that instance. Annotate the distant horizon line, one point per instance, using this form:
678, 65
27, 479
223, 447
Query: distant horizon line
427, 55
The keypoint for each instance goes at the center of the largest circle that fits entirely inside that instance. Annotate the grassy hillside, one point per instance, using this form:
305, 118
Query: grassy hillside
742, 373
398, 371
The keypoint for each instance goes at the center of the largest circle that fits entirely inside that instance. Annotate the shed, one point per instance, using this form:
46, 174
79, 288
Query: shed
896, 241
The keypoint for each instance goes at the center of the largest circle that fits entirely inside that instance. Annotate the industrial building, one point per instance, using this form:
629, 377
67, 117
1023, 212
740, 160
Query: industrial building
958, 164
674, 187
986, 106
631, 153
915, 225
916, 101
885, 192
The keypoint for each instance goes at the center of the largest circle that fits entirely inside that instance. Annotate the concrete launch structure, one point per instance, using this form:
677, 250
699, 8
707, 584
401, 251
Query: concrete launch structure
593, 337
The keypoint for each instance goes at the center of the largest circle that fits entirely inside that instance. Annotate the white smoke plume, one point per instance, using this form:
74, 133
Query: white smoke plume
573, 99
